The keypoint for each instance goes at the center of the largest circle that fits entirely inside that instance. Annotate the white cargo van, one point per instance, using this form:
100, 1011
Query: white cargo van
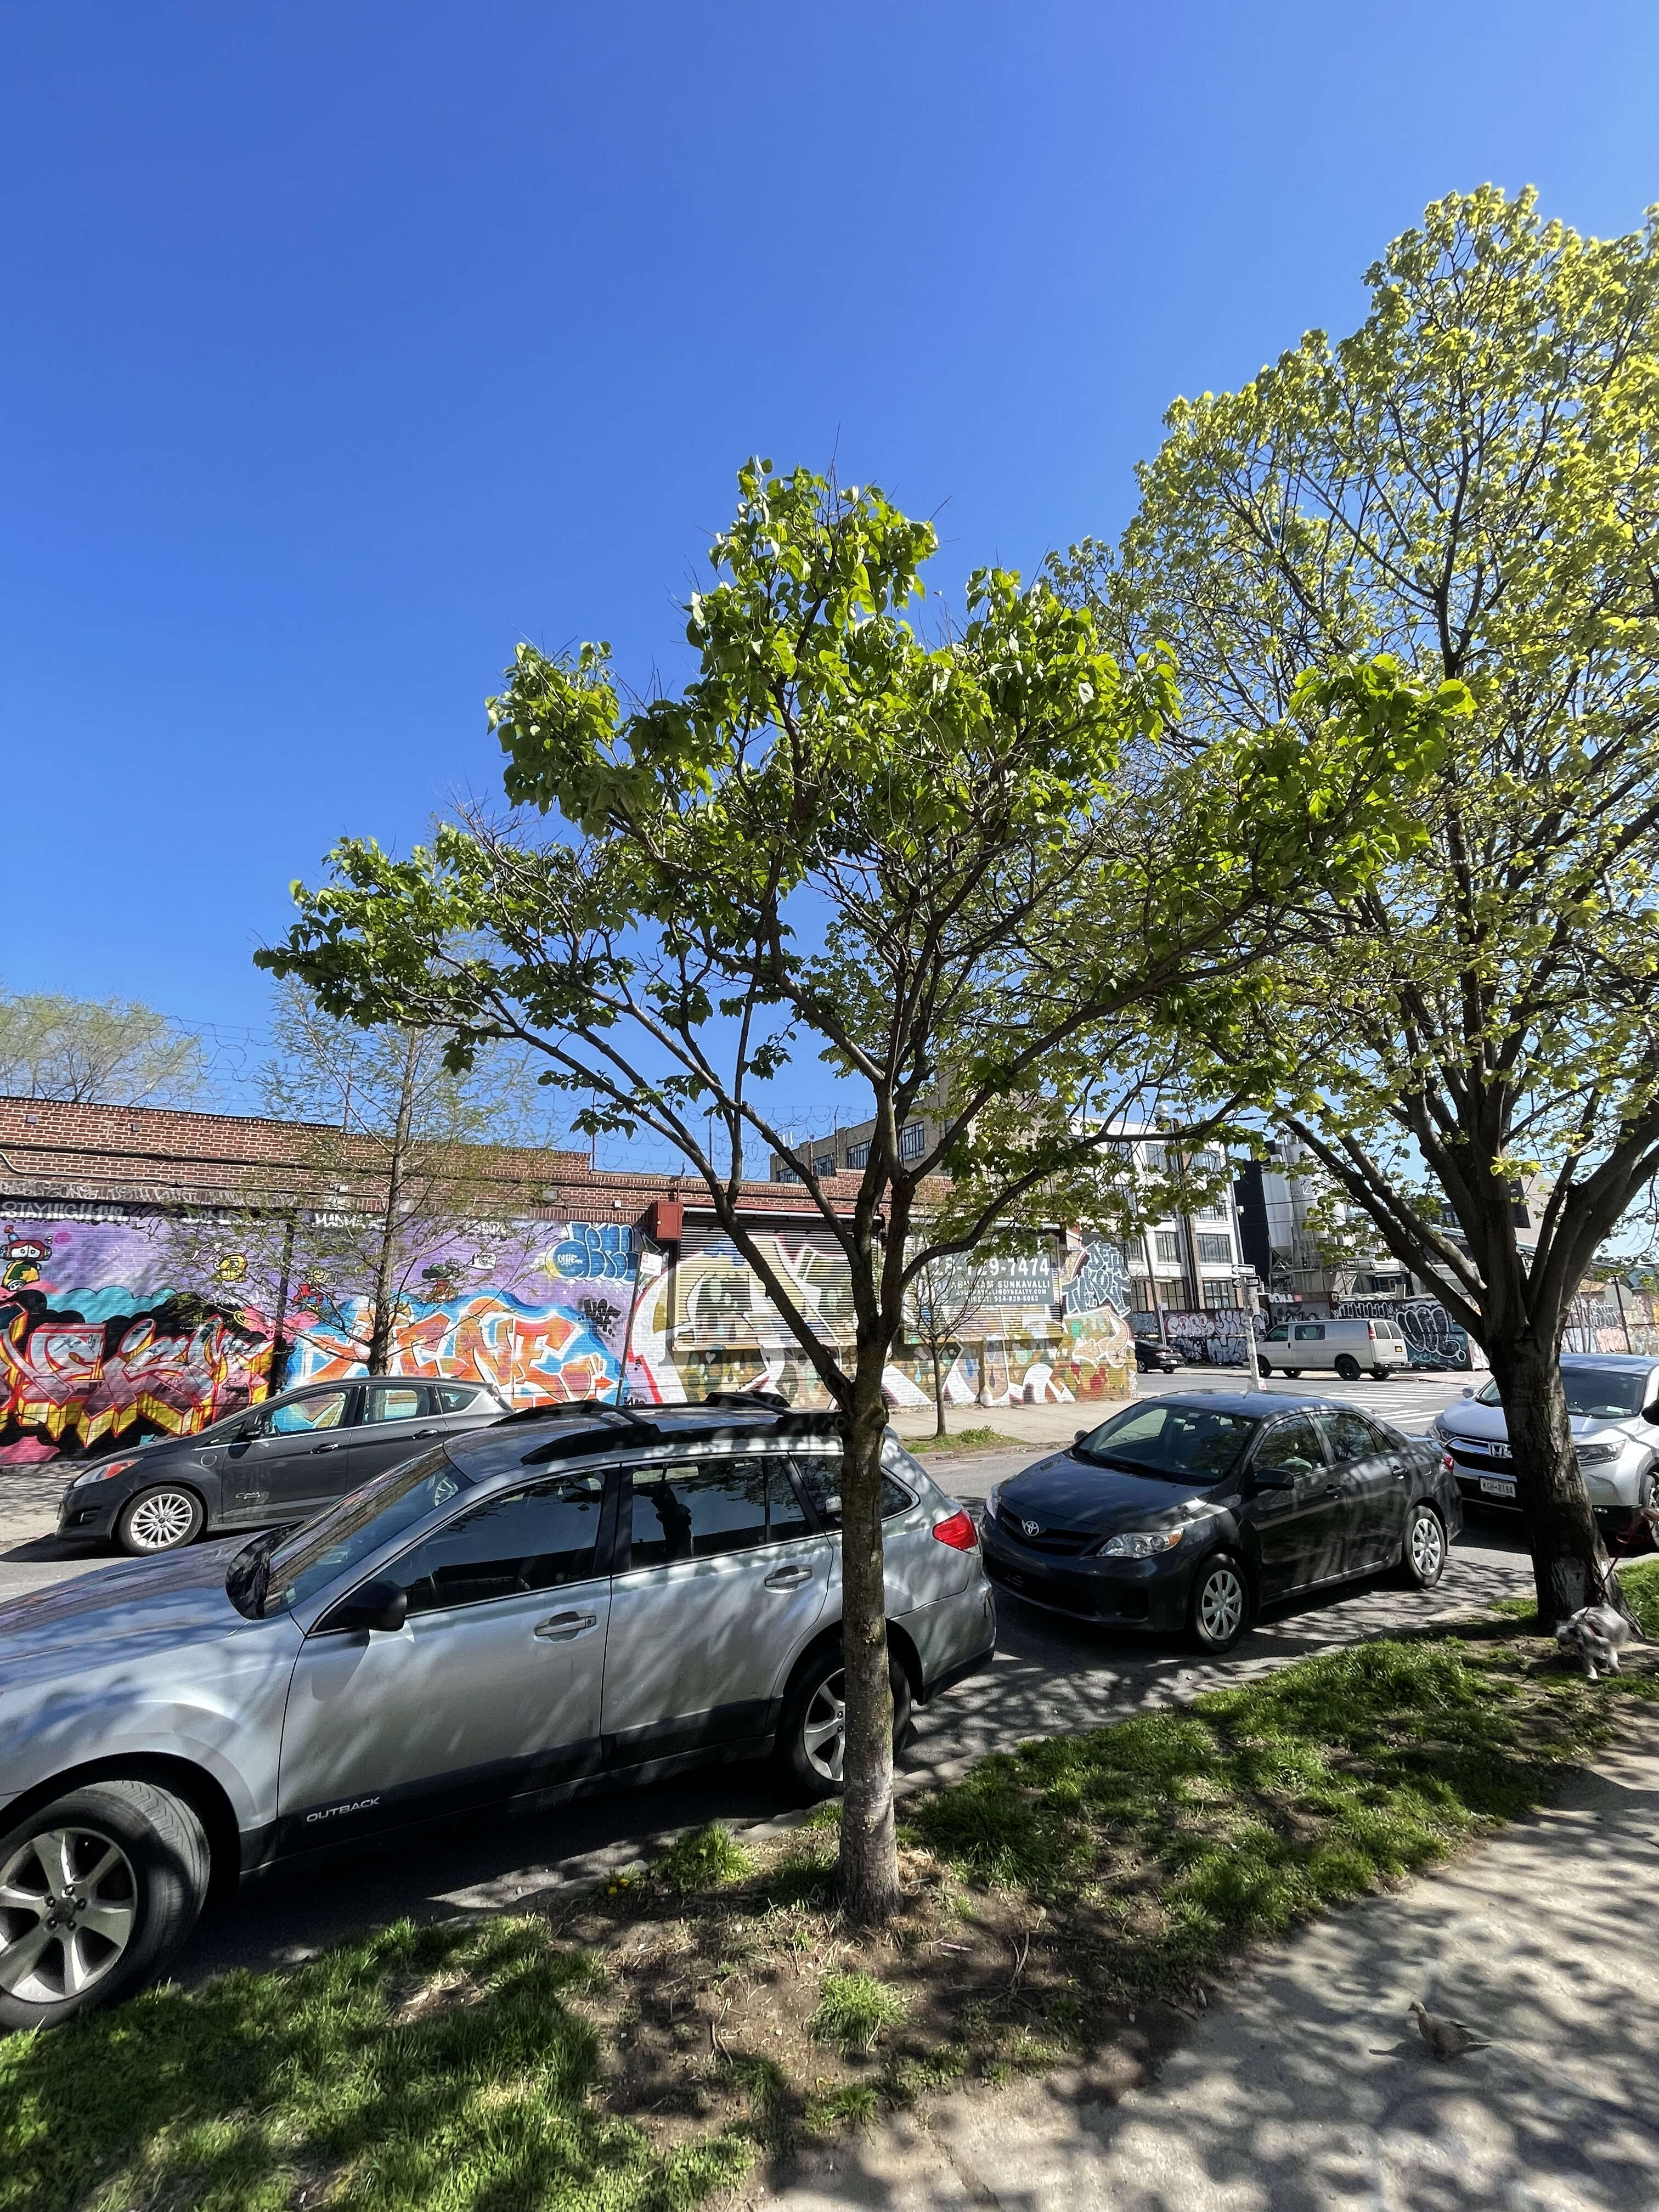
1347, 1348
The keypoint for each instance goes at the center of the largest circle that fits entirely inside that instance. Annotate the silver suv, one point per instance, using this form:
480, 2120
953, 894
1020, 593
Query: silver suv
510, 1616
1613, 1406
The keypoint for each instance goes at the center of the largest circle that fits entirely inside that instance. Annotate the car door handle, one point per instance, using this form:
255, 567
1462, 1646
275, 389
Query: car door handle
783, 1579
1332, 1490
566, 1627
428, 1433
315, 1448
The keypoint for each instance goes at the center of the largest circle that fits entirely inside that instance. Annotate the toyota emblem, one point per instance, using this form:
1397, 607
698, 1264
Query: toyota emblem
1030, 1526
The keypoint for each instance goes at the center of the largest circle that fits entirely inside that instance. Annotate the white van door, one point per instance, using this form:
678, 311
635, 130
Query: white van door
1308, 1349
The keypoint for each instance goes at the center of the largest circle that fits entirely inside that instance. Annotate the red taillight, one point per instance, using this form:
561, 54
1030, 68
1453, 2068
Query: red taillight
958, 1532
1448, 1463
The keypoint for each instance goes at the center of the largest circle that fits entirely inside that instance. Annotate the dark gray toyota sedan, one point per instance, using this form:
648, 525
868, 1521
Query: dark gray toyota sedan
1190, 1511
282, 1461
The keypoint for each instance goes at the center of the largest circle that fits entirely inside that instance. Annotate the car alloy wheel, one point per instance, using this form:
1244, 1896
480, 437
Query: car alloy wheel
1220, 1603
824, 1731
1426, 1548
161, 1520
68, 1901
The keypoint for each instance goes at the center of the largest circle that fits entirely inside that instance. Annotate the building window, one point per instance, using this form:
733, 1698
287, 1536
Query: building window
824, 1164
858, 1156
1219, 1296
1215, 1251
1166, 1243
1140, 1294
781, 1172
1213, 1209
912, 1140
1155, 1159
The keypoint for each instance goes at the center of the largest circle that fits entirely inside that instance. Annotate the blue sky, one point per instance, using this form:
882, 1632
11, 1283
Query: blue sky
346, 345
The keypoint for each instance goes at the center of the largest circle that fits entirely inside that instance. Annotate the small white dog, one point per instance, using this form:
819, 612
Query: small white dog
1598, 1634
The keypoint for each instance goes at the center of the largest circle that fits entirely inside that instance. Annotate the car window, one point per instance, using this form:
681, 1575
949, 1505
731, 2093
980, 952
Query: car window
820, 1477
697, 1510
1350, 1435
1292, 1443
391, 1402
1309, 1332
1178, 1444
523, 1540
453, 1397
327, 1410
1279, 1335
375, 1515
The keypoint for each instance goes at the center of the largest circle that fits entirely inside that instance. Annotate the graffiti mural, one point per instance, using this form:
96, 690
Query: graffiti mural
1434, 1340
95, 1350
1222, 1337
530, 1353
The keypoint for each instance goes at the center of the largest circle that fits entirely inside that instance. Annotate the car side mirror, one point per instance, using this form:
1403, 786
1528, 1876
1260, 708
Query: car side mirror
1079, 1435
373, 1605
1274, 1478
1469, 1389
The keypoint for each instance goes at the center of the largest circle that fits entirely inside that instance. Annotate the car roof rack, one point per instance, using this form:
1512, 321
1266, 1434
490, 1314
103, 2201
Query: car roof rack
759, 1398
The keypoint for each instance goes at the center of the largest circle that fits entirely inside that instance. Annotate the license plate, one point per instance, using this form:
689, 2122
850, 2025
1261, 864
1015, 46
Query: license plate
1496, 1487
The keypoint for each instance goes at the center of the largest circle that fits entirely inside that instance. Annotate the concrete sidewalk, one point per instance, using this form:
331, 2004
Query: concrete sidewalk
1304, 2088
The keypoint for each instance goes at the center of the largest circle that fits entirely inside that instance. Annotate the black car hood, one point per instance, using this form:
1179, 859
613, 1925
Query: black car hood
1068, 1492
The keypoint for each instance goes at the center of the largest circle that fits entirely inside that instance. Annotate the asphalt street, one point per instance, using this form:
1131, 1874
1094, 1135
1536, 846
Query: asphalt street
1049, 1676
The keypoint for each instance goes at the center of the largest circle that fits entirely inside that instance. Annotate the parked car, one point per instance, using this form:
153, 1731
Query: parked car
1192, 1511
1153, 1358
1340, 1347
280, 1460
507, 1617
1613, 1410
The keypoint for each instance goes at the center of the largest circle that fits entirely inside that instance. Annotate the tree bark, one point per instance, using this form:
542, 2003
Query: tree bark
277, 1370
869, 1849
1569, 1565
379, 1339
939, 1429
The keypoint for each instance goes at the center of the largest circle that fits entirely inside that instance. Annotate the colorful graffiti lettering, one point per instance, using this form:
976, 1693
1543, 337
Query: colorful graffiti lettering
1102, 1279
592, 1251
527, 1352
79, 1381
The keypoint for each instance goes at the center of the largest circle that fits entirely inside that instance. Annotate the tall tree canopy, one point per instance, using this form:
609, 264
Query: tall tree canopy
1469, 484
961, 864
115, 1051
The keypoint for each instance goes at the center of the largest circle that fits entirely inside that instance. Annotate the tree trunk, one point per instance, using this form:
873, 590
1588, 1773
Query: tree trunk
279, 1344
869, 1849
1570, 1566
379, 1339
939, 1429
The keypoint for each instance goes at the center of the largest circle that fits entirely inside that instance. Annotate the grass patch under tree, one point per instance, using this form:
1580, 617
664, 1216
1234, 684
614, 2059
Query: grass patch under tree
640, 2048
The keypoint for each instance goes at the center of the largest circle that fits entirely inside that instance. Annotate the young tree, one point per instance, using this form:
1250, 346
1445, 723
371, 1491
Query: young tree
1470, 483
114, 1051
402, 1184
945, 1294
960, 862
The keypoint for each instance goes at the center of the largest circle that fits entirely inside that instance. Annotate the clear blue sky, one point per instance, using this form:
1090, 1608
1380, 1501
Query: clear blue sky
345, 345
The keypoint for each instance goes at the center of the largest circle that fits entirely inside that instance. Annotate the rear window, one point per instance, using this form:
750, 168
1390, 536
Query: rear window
454, 1397
821, 1479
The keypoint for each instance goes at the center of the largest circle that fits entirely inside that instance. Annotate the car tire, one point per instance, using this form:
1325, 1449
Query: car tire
1648, 1496
137, 1859
1348, 1368
163, 1519
1262, 1366
1382, 1374
810, 1739
1295, 1374
1218, 1611
1423, 1554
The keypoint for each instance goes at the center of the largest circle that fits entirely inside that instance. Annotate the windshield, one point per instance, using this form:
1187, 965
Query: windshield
360, 1525
1594, 1393
1186, 1444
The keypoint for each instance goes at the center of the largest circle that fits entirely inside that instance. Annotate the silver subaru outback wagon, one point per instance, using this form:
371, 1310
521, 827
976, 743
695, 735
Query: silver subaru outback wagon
512, 1616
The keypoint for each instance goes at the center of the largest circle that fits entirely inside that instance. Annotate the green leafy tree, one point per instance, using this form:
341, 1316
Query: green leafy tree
959, 862
1469, 484
115, 1051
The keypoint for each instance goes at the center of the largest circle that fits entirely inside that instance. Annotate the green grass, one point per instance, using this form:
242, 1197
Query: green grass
708, 1858
436, 2068
853, 2009
964, 1440
1192, 1832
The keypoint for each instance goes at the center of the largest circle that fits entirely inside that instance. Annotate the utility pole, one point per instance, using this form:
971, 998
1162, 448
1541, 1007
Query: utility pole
380, 1342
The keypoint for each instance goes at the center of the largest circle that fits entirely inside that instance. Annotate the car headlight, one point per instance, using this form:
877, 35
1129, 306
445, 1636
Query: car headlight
1144, 1544
993, 1500
106, 1468
1596, 1454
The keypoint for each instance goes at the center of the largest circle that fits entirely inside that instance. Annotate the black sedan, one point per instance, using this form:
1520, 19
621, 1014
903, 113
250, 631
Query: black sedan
282, 1461
1154, 1358
1191, 1511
